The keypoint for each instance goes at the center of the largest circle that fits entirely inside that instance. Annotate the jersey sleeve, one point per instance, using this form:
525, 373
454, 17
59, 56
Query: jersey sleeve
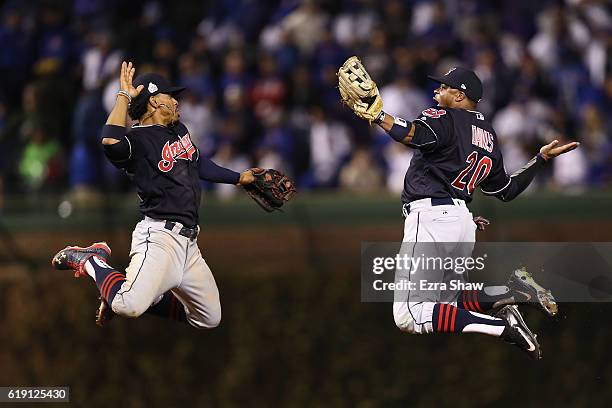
433, 129
520, 180
210, 171
121, 154
498, 180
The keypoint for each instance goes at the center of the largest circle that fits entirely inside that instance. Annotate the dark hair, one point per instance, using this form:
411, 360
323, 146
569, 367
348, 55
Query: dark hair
138, 106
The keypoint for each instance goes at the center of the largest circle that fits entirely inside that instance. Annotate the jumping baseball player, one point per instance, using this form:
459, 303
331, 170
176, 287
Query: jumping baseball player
167, 275
456, 151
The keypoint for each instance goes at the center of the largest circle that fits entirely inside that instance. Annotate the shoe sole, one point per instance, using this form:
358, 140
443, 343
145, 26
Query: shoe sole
98, 245
545, 299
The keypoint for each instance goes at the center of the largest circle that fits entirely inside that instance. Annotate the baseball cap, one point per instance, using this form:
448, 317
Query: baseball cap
462, 79
155, 83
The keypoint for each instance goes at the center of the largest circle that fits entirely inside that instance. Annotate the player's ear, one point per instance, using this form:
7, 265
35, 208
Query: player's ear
153, 100
460, 96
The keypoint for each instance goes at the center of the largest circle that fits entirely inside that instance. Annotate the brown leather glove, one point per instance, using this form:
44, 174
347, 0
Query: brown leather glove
271, 188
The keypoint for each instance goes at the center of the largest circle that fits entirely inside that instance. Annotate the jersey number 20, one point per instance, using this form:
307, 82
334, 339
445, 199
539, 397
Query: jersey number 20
481, 171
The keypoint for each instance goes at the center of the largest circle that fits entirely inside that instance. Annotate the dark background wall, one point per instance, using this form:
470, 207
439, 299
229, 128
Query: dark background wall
294, 332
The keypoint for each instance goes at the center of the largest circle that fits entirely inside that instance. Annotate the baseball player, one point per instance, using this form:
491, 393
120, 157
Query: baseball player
167, 275
456, 151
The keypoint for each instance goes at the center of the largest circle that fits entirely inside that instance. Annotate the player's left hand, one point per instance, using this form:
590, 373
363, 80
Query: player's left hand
246, 177
358, 91
552, 150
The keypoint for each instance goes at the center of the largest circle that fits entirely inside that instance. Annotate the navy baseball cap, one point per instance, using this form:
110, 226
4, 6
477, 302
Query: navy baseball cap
155, 83
462, 79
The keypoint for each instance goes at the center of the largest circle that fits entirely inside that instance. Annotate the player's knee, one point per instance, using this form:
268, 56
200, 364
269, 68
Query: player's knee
413, 318
404, 322
215, 320
129, 309
208, 320
129, 312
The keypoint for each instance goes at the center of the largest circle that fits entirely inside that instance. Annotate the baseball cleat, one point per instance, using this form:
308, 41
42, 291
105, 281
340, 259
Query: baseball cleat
517, 332
74, 257
525, 289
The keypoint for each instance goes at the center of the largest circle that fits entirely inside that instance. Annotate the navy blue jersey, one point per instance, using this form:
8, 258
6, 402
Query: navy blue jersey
163, 165
456, 151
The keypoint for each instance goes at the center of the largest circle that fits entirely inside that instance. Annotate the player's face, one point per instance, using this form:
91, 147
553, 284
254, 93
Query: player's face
168, 107
445, 96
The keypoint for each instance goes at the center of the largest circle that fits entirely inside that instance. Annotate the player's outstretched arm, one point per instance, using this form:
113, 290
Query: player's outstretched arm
210, 171
522, 178
118, 115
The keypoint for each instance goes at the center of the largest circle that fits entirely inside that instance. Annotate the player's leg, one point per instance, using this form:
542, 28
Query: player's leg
425, 318
429, 233
156, 261
429, 317
166, 306
439, 233
431, 309
92, 261
169, 307
481, 301
521, 288
155, 265
198, 292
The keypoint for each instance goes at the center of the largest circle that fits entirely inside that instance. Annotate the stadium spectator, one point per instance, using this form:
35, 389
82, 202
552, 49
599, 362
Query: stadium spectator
261, 78
361, 173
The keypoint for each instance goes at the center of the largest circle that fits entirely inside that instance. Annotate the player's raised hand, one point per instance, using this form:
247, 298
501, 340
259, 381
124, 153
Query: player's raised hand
127, 75
552, 150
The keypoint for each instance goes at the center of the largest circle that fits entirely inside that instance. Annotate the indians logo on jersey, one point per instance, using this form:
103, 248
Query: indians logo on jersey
482, 138
181, 149
434, 113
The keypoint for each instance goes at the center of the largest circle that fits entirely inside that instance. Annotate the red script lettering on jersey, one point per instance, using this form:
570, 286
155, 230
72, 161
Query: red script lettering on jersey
181, 149
434, 113
482, 138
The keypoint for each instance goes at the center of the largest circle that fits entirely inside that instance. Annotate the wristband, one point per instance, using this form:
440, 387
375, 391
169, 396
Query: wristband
381, 118
126, 94
400, 129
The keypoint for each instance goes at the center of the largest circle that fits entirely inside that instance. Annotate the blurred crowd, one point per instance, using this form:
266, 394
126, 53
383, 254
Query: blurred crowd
261, 79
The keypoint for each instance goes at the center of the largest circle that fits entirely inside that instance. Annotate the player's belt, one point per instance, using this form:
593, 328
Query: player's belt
425, 202
190, 233
442, 201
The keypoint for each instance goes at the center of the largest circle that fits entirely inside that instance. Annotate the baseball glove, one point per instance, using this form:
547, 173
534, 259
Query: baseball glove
271, 188
358, 91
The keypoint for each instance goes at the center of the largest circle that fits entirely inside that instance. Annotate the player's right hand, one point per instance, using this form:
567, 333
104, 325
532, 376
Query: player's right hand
126, 77
552, 150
